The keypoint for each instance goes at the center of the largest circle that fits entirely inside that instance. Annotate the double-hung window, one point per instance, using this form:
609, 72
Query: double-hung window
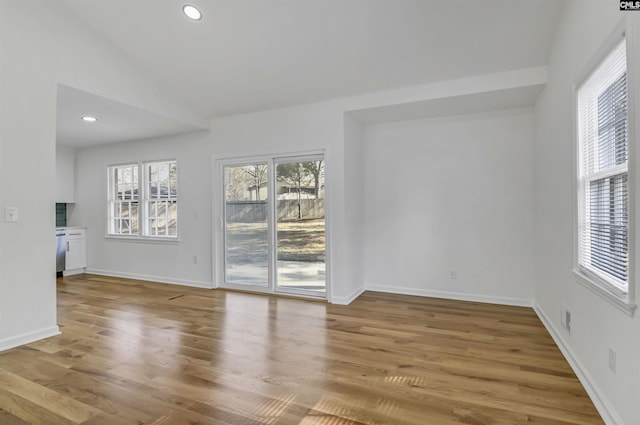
603, 183
143, 199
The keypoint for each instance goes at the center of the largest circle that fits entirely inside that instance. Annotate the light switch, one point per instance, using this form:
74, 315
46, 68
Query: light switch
10, 214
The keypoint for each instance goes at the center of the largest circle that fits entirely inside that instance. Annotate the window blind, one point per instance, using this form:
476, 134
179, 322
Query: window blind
603, 219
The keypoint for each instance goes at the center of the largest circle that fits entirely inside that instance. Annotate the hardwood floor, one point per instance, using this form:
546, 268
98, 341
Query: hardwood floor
134, 352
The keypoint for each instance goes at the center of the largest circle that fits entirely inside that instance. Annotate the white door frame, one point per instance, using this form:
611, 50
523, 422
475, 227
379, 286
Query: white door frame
217, 186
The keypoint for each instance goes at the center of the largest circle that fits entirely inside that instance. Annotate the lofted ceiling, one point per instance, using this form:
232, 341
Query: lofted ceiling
250, 55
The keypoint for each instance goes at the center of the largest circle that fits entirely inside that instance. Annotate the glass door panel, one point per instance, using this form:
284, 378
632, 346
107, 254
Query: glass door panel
246, 225
300, 226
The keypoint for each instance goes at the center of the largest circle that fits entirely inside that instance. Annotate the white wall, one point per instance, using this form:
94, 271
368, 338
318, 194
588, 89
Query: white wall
168, 261
448, 194
596, 325
482, 235
282, 131
482, 157
297, 129
41, 46
491, 151
353, 258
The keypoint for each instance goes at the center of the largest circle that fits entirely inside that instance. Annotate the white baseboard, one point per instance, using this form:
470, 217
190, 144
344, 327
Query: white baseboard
520, 302
349, 298
72, 272
151, 278
606, 410
28, 337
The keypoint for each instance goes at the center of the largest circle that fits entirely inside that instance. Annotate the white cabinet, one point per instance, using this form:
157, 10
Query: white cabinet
76, 255
65, 176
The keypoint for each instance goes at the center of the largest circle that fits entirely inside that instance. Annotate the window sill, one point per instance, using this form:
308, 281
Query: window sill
622, 303
143, 239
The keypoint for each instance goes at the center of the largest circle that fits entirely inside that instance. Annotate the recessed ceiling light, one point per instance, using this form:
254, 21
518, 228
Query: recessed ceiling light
88, 118
192, 12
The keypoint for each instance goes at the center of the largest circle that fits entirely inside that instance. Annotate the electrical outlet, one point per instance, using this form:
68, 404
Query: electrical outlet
612, 360
453, 274
565, 318
10, 214
195, 259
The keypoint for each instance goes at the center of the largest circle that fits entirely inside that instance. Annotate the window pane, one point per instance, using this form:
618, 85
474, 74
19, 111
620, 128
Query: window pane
603, 220
162, 180
124, 218
123, 196
612, 124
246, 231
131, 215
163, 221
173, 209
300, 226
609, 226
162, 208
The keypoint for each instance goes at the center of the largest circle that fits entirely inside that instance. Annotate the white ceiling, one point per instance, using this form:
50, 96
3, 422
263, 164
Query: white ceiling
518, 97
117, 122
250, 55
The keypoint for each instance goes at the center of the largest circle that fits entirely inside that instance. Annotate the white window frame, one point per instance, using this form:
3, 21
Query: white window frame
112, 199
143, 200
614, 293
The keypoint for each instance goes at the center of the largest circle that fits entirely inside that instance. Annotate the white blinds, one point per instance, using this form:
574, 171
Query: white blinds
603, 225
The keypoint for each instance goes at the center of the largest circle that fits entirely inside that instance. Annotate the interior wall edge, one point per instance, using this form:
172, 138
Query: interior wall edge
605, 408
28, 337
346, 300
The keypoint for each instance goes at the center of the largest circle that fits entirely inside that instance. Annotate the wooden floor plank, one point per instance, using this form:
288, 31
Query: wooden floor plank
7, 418
135, 352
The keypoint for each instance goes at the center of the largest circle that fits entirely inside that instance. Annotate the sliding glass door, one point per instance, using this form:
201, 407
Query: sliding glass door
246, 228
300, 226
271, 236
